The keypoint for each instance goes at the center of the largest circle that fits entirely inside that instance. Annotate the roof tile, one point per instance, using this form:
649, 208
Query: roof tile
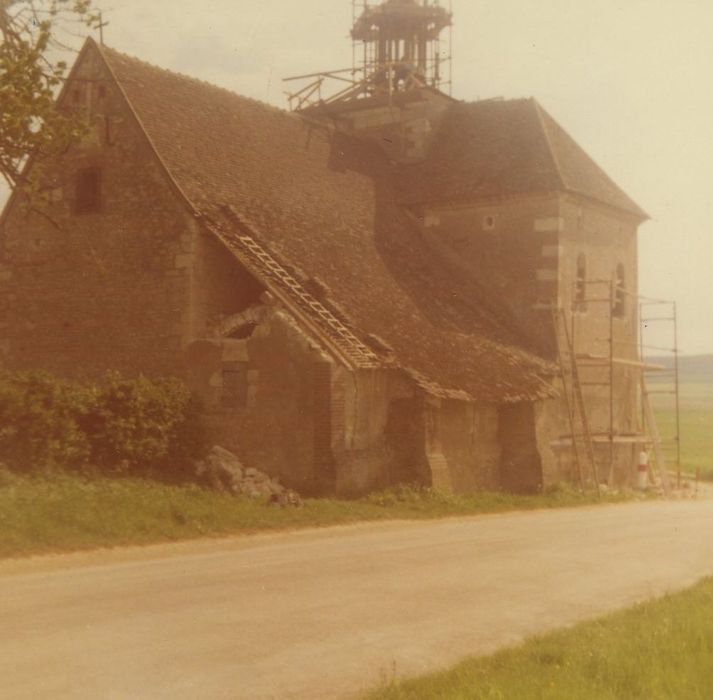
497, 148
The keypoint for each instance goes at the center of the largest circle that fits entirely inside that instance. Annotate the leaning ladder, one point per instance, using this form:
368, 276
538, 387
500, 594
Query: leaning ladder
576, 404
655, 437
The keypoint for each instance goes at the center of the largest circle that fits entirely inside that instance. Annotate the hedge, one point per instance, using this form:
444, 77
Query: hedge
140, 426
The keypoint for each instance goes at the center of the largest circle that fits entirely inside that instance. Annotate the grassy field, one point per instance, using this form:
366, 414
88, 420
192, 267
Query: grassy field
696, 415
662, 650
59, 512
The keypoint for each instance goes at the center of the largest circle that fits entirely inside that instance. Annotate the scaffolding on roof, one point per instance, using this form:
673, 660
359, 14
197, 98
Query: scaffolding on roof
397, 46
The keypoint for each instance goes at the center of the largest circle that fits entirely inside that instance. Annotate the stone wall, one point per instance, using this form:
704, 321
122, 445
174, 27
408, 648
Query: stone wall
382, 443
267, 398
508, 246
524, 252
84, 292
607, 240
521, 465
402, 127
471, 446
398, 435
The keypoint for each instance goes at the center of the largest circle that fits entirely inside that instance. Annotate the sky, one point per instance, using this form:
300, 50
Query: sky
630, 80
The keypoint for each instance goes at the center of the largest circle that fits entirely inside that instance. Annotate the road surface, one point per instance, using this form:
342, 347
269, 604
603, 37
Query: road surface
324, 614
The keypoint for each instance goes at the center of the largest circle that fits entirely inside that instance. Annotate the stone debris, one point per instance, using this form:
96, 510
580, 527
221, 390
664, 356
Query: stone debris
223, 471
286, 499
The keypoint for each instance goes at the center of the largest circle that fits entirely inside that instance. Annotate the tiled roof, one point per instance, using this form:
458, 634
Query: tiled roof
322, 208
498, 148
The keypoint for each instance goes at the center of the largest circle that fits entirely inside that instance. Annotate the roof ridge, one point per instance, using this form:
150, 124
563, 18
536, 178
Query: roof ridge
496, 99
550, 146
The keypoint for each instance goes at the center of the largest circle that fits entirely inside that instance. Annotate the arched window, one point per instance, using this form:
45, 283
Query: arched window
619, 309
580, 284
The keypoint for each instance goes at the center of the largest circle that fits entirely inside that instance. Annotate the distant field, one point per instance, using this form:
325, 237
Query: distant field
696, 414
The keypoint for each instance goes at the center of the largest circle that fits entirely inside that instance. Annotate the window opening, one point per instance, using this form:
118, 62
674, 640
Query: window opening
580, 286
619, 309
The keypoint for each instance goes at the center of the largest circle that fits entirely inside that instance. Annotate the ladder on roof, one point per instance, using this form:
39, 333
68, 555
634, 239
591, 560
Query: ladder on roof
575, 405
251, 253
352, 347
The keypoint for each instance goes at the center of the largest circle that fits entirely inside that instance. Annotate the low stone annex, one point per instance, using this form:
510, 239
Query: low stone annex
361, 296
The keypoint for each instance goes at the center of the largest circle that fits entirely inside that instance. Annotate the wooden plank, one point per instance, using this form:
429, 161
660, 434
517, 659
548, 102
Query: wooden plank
566, 441
602, 360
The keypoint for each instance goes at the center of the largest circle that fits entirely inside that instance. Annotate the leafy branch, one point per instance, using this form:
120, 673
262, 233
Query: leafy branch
33, 36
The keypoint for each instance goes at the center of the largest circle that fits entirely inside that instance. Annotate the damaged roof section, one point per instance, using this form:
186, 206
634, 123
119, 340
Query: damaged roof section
324, 204
500, 148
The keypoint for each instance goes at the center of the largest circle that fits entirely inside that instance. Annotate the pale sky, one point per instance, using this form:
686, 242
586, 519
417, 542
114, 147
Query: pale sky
629, 79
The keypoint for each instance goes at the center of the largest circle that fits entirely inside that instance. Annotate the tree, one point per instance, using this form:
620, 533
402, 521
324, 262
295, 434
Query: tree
33, 36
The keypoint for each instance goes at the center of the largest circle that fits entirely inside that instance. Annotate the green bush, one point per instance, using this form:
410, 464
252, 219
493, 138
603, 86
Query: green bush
138, 423
38, 421
141, 426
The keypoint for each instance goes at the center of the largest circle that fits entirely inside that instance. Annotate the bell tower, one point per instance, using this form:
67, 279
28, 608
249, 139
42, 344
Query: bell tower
401, 45
395, 91
398, 46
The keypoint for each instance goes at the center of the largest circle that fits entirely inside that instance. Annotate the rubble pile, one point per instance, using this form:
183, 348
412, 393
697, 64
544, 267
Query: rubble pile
223, 471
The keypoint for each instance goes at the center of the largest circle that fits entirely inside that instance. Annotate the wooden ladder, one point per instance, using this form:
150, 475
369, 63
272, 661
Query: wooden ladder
575, 405
655, 437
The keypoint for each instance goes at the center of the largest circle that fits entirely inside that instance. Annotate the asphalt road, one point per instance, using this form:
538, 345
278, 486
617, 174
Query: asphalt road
323, 614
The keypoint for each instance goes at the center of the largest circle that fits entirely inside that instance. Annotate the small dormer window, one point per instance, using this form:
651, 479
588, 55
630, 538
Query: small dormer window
489, 223
88, 191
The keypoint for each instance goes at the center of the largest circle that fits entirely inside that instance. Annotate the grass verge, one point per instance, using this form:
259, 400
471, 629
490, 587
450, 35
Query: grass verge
61, 512
696, 419
661, 650
696, 438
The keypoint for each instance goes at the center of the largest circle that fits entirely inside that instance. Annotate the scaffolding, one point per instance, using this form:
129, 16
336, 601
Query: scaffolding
592, 376
397, 46
654, 313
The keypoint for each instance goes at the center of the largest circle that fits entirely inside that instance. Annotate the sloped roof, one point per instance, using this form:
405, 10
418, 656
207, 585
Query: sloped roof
497, 148
321, 207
